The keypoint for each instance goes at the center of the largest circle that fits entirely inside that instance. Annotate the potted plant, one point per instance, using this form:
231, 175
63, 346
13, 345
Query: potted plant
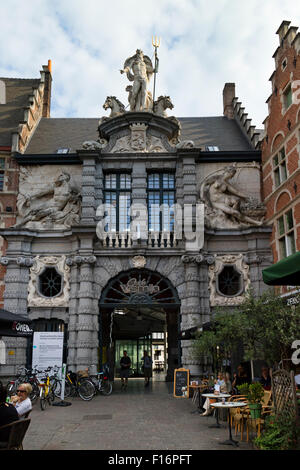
255, 396
243, 389
254, 393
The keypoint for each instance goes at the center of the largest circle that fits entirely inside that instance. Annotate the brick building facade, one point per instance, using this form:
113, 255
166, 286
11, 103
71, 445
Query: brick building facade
22, 104
281, 146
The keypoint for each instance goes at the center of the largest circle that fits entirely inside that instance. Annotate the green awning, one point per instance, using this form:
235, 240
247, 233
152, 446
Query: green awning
284, 273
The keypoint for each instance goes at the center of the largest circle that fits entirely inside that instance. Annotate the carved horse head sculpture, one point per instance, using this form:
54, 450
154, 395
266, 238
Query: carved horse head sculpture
115, 105
161, 104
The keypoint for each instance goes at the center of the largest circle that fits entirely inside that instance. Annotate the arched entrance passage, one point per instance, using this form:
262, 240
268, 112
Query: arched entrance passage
135, 307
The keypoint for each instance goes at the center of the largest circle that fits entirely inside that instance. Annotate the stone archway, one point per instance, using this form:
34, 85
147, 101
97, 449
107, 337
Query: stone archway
137, 302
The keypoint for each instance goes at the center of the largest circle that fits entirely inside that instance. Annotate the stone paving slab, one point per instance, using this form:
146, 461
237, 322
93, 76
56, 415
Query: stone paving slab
136, 419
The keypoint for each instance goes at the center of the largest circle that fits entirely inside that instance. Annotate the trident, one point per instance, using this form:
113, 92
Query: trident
155, 44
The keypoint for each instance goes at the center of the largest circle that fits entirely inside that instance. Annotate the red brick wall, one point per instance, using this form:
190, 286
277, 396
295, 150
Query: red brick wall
282, 129
8, 197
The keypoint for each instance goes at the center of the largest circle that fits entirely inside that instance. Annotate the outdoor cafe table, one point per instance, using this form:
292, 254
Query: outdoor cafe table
228, 405
197, 389
218, 396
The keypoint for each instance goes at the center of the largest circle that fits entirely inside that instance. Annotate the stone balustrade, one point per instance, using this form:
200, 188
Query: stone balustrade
164, 239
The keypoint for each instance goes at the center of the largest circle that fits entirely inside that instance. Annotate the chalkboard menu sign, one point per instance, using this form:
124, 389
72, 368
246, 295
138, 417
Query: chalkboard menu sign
181, 379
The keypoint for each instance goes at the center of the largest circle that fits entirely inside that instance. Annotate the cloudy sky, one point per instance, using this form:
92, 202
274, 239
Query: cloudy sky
204, 43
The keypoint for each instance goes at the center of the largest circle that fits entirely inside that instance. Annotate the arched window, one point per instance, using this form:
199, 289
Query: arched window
230, 281
50, 283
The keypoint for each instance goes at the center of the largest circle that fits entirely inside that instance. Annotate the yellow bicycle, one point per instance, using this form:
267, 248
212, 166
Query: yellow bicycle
46, 391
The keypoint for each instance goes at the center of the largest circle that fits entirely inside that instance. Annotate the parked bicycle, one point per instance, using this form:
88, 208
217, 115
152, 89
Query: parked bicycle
79, 386
101, 382
46, 390
25, 376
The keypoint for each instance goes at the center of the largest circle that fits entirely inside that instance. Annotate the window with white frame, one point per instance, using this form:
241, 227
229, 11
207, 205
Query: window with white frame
117, 196
286, 234
161, 195
279, 167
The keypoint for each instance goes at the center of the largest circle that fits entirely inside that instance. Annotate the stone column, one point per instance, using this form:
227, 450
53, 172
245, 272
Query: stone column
88, 209
190, 308
73, 312
204, 288
15, 301
139, 196
84, 344
190, 195
99, 186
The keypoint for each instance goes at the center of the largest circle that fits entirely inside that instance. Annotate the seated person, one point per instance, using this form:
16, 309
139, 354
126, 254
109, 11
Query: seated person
21, 401
240, 378
265, 378
219, 387
8, 414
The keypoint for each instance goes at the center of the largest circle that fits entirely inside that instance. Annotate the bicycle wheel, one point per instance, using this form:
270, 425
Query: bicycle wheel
34, 393
56, 387
42, 399
51, 396
106, 387
86, 390
68, 389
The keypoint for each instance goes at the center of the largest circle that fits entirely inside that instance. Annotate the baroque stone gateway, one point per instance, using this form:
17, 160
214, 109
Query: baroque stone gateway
143, 288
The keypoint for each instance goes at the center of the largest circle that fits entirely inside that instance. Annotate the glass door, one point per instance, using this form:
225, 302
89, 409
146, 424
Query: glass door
135, 350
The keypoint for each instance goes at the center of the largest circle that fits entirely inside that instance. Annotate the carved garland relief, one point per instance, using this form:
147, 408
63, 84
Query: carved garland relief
214, 270
35, 298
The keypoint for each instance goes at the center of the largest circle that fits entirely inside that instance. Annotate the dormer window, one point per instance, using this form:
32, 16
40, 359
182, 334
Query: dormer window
212, 148
63, 150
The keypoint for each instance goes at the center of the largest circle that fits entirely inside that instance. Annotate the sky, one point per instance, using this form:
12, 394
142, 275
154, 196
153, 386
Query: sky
204, 44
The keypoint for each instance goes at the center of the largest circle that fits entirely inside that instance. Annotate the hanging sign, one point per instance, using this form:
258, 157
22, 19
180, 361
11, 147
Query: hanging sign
135, 286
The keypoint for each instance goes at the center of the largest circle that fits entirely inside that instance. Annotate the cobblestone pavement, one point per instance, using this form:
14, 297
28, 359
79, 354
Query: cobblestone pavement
136, 419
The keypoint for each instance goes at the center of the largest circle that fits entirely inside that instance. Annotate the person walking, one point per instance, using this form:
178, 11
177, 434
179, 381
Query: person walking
147, 366
125, 364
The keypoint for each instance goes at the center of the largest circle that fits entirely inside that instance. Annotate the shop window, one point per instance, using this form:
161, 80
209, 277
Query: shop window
279, 167
230, 281
50, 283
286, 234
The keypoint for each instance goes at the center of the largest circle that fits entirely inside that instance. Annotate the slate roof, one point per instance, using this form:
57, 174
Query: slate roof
54, 133
18, 91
